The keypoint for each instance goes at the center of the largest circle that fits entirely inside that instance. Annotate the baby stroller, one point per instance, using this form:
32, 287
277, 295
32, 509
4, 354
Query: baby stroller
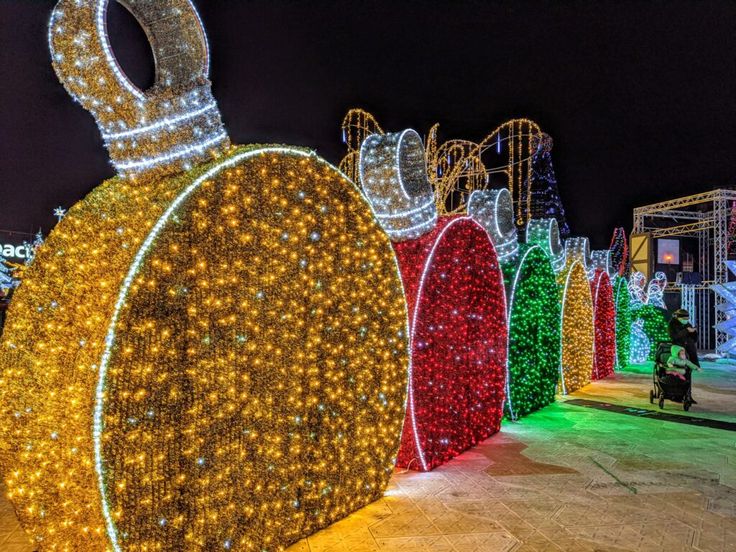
666, 386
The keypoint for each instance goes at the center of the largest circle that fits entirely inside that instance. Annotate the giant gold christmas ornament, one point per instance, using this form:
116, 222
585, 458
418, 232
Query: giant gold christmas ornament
202, 359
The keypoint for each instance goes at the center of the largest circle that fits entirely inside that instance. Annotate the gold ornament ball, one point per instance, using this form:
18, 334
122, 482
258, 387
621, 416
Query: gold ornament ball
578, 332
213, 360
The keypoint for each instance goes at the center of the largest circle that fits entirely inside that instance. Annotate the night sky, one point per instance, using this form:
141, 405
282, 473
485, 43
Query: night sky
640, 98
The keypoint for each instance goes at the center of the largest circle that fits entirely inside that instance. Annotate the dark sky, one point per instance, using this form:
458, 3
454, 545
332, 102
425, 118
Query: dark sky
640, 97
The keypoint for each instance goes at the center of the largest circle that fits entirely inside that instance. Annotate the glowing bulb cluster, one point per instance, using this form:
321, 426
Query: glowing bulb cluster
619, 252
454, 290
534, 333
637, 289
622, 299
600, 259
394, 178
604, 313
546, 234
577, 249
494, 211
578, 333
640, 343
655, 290
649, 327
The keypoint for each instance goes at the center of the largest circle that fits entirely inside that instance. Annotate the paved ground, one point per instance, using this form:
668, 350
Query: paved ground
566, 478
714, 389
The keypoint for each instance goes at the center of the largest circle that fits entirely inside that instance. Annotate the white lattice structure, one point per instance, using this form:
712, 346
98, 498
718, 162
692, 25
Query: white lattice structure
687, 301
727, 308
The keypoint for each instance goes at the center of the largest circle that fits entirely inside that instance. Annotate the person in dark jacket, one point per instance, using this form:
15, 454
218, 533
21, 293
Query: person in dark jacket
683, 333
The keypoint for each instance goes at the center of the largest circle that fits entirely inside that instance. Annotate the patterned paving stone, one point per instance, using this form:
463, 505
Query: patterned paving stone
435, 543
483, 542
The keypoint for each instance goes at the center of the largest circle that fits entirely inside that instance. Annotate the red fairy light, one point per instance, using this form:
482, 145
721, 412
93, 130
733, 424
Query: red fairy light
604, 314
457, 310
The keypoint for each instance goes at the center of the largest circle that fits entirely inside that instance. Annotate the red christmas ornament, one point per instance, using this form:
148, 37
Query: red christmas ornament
604, 316
457, 315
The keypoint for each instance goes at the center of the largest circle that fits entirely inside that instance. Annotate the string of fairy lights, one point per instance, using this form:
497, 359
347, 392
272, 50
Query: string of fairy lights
155, 398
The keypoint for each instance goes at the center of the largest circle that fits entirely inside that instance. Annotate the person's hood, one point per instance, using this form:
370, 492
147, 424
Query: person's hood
675, 350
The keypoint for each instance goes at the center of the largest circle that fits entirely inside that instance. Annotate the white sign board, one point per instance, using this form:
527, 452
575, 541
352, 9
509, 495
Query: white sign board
15, 252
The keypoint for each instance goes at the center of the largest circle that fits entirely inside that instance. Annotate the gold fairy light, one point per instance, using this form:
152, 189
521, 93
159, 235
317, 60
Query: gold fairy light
578, 334
457, 168
357, 125
201, 359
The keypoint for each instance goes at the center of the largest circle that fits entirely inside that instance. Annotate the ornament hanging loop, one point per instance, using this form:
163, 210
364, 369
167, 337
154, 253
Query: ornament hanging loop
168, 128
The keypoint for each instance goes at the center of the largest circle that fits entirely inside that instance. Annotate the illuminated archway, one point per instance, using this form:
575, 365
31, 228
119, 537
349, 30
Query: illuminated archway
534, 334
604, 313
455, 294
578, 333
622, 299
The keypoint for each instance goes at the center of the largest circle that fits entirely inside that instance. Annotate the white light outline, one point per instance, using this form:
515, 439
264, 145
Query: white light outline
616, 290
415, 315
56, 13
637, 293
655, 292
172, 122
174, 154
99, 8
398, 159
205, 39
507, 315
98, 424
598, 280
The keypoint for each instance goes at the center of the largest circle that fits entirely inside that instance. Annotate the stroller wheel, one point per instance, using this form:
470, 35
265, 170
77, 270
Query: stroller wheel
661, 402
686, 405
651, 396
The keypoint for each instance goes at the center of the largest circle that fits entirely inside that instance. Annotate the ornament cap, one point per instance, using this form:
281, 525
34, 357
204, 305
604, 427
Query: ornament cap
494, 211
545, 233
166, 129
393, 172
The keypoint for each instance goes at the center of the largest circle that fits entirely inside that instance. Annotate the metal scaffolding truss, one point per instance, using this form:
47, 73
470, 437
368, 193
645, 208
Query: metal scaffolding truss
705, 217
